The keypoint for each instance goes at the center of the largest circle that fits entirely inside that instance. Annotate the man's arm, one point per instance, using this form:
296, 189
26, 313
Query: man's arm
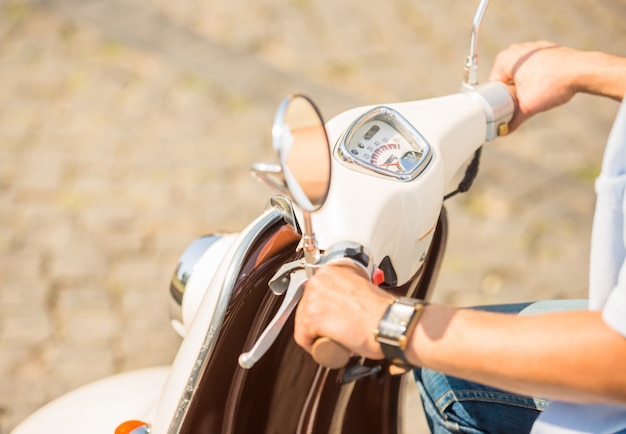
571, 356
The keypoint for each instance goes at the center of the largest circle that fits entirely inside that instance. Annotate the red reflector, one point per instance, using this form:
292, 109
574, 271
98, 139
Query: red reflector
378, 276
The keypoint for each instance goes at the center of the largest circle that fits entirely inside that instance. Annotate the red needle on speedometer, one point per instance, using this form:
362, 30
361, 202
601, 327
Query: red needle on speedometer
390, 164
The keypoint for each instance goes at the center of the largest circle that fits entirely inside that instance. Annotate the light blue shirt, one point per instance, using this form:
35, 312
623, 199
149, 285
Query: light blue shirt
607, 286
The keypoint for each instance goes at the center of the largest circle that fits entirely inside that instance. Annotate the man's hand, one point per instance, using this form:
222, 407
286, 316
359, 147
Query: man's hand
541, 76
338, 303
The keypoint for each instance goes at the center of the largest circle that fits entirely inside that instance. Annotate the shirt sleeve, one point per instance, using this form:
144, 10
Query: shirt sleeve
614, 311
607, 278
614, 243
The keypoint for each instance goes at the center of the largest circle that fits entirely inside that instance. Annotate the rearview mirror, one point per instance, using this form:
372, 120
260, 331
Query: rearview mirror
300, 140
303, 173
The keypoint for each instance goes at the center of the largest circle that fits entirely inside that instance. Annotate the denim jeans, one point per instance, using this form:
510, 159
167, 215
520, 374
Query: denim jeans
453, 405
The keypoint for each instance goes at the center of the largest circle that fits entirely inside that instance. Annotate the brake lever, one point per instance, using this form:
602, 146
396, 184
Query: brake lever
289, 280
293, 294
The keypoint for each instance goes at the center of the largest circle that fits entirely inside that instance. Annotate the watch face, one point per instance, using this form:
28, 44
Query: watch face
396, 323
383, 143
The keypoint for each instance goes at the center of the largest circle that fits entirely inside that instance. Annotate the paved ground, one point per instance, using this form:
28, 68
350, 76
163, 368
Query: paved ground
127, 129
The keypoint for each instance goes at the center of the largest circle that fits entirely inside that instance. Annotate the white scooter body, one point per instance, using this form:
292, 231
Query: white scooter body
454, 126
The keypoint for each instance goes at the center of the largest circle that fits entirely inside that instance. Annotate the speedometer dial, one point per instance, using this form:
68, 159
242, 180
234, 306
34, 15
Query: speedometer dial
385, 143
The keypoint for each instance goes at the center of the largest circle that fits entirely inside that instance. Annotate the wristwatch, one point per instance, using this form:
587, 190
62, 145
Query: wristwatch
397, 323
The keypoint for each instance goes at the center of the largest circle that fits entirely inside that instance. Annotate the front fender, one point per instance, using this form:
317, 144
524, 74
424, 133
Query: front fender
100, 407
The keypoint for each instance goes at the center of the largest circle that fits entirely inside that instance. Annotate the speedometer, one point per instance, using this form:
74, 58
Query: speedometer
383, 142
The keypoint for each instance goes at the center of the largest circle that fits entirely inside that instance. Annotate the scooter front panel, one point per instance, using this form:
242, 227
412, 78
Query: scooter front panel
286, 391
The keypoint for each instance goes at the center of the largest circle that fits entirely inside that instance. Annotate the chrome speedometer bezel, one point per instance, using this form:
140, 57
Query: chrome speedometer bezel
400, 124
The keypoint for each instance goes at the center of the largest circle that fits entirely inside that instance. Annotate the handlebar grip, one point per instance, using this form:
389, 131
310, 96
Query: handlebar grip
329, 353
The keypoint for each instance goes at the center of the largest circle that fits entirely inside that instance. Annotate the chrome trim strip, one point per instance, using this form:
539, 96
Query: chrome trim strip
276, 212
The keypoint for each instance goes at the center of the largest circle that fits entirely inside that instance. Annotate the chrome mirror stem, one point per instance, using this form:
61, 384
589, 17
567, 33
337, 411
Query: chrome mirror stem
471, 63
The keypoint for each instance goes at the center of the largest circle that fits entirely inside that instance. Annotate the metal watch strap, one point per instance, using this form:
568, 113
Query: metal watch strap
396, 325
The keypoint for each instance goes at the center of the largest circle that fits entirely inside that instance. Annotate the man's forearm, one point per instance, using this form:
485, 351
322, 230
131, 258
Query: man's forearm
570, 356
601, 74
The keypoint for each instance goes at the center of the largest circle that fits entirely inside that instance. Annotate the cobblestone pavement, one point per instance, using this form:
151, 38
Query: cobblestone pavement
127, 129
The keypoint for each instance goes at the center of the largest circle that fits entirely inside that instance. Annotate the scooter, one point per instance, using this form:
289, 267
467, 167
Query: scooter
367, 189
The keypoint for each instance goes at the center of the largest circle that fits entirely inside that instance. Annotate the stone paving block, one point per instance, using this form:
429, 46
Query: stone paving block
31, 325
77, 363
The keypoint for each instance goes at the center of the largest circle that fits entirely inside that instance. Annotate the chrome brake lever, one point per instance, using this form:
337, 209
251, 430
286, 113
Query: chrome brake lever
293, 295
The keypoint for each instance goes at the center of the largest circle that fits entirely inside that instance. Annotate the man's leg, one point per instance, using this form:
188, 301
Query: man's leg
453, 405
